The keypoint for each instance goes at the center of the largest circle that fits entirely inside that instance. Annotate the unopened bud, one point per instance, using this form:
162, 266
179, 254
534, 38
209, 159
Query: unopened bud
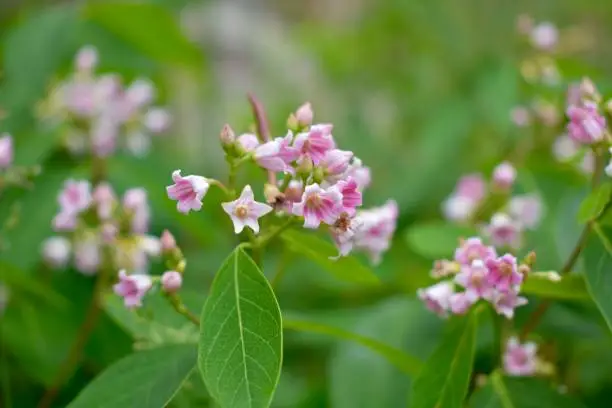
87, 58
273, 194
530, 259
227, 136
56, 252
168, 243
524, 270
292, 123
304, 115
305, 166
504, 176
171, 281
588, 90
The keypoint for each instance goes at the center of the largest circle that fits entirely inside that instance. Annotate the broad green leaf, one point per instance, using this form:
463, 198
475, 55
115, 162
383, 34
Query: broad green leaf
18, 280
405, 362
348, 269
597, 267
444, 380
437, 239
240, 349
595, 202
148, 27
147, 379
513, 392
570, 287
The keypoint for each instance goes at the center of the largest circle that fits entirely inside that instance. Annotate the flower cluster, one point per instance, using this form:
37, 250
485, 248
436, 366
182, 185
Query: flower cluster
97, 229
473, 201
98, 114
520, 359
321, 184
133, 287
481, 275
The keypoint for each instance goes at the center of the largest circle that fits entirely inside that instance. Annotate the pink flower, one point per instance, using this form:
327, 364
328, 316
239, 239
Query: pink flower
316, 142
343, 237
304, 115
544, 36
474, 279
504, 175
104, 134
105, 200
503, 273
526, 209
335, 162
132, 288
319, 205
458, 208
86, 59
288, 153
471, 186
359, 172
6, 151
504, 231
56, 252
171, 281
188, 191
505, 302
586, 125
245, 211
520, 116
75, 197
136, 204
248, 141
79, 98
167, 241
351, 196
140, 93
64, 221
272, 155
473, 249
437, 297
459, 303
87, 256
375, 230
520, 359
564, 148
157, 120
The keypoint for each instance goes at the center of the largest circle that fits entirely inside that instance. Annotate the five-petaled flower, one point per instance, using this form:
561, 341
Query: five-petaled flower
245, 211
132, 288
319, 205
188, 191
520, 359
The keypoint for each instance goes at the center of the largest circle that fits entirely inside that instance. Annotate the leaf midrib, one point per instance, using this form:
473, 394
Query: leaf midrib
241, 328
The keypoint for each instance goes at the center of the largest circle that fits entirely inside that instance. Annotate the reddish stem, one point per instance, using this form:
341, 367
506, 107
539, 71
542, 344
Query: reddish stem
263, 128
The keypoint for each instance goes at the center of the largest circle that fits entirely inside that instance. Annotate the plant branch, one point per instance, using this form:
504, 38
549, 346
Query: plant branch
538, 314
179, 306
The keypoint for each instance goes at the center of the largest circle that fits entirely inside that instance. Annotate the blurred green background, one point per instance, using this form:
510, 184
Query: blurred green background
420, 91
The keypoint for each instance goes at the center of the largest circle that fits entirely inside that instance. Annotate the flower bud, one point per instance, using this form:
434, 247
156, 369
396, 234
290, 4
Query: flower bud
292, 123
56, 252
504, 175
305, 166
171, 281
227, 136
86, 59
168, 243
273, 194
304, 115
6, 151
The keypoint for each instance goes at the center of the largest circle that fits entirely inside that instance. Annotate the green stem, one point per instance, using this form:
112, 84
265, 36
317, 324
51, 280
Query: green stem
497, 336
286, 182
177, 303
265, 240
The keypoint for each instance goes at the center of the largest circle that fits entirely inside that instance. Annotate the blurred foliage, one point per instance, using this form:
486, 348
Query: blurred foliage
421, 91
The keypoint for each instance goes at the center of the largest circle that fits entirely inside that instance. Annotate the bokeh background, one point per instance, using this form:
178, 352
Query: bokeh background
421, 91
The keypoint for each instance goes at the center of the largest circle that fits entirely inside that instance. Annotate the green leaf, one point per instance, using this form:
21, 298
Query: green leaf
437, 239
147, 379
18, 280
570, 287
405, 362
347, 269
504, 392
444, 380
597, 267
240, 349
148, 27
595, 202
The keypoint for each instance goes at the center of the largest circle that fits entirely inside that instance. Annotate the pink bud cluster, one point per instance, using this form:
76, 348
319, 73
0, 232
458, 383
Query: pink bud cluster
520, 359
476, 273
506, 226
322, 184
99, 114
94, 224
